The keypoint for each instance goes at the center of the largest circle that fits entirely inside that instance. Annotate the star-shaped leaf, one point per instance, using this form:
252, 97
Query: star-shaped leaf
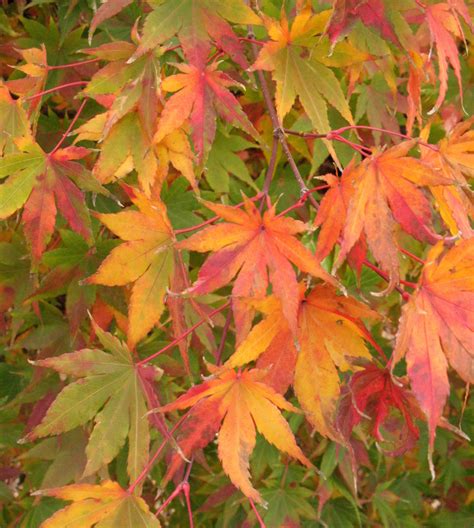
437, 327
41, 182
243, 404
329, 333
387, 192
108, 390
106, 505
248, 245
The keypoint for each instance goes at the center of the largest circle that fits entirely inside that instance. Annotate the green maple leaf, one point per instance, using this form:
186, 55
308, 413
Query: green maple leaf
109, 390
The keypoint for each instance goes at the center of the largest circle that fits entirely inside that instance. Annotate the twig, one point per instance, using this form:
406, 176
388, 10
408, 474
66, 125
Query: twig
183, 335
69, 128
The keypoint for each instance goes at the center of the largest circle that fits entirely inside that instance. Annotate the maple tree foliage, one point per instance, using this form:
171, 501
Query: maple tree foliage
236, 263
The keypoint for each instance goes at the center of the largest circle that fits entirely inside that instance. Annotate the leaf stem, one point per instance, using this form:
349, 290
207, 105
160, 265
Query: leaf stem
412, 256
225, 330
183, 335
259, 518
69, 128
152, 460
403, 293
72, 64
270, 172
304, 198
56, 88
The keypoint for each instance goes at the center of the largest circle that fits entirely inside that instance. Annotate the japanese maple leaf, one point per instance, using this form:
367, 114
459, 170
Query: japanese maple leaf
42, 183
455, 161
298, 75
248, 245
109, 389
106, 504
125, 147
202, 94
144, 259
196, 22
444, 24
372, 393
371, 13
385, 193
331, 217
437, 326
243, 404
329, 333
13, 122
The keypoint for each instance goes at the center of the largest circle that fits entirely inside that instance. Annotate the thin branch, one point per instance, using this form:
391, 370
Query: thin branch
183, 335
69, 128
152, 460
270, 172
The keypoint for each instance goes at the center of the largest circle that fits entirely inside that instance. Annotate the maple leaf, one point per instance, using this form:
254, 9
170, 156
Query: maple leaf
437, 326
104, 505
444, 24
109, 388
125, 147
202, 93
41, 182
372, 393
107, 10
298, 75
370, 12
385, 193
195, 21
455, 161
329, 334
243, 404
144, 259
248, 245
13, 122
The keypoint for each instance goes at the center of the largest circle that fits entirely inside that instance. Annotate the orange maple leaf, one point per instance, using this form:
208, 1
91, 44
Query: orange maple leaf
202, 93
437, 326
455, 161
248, 245
385, 193
145, 259
444, 24
330, 332
243, 403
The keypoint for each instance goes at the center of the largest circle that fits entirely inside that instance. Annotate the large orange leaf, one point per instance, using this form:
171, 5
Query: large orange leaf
244, 405
386, 192
329, 334
107, 504
248, 245
144, 259
437, 327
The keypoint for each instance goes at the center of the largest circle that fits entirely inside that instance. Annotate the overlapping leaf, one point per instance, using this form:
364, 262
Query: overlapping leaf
329, 335
104, 506
144, 259
387, 192
108, 390
202, 93
42, 184
437, 327
243, 404
298, 75
254, 247
196, 22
